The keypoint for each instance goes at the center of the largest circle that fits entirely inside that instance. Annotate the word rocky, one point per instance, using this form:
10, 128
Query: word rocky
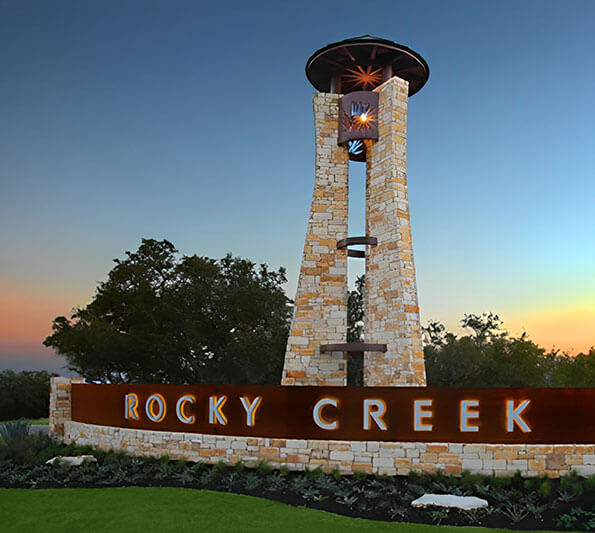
156, 408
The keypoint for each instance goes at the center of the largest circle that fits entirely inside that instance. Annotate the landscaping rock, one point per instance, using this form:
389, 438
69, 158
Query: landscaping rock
465, 503
75, 460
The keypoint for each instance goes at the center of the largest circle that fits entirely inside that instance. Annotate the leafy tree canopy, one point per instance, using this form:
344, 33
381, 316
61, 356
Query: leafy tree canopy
165, 318
488, 357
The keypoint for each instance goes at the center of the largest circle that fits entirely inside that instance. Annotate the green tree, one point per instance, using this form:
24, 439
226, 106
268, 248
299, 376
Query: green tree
355, 310
486, 326
573, 371
490, 358
355, 331
485, 358
165, 318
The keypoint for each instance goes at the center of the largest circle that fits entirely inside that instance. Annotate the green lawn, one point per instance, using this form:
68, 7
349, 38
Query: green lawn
170, 509
36, 422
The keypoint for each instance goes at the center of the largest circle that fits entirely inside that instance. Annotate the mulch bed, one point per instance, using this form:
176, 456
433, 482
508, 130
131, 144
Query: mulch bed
385, 499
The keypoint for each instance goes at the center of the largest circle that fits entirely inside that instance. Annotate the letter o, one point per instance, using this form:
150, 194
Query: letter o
159, 415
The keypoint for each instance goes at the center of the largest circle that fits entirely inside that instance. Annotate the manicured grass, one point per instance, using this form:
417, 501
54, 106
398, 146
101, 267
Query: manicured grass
35, 422
172, 509
40, 422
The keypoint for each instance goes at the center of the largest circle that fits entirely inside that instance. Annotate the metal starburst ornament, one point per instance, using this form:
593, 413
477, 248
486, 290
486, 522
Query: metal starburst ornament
364, 77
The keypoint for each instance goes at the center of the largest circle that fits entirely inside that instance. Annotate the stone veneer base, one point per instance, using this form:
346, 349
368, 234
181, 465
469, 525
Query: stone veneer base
391, 458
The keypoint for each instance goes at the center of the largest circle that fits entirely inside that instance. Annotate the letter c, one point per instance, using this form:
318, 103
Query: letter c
317, 413
187, 398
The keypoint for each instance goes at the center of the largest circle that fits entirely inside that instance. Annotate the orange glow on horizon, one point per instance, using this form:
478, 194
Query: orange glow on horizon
26, 312
570, 330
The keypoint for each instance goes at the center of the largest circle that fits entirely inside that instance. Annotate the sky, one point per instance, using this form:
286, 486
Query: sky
192, 122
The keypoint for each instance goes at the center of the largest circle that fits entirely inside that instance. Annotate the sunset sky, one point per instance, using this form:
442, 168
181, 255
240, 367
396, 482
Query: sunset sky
192, 121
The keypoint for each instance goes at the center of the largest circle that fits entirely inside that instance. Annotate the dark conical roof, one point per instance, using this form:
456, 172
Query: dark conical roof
360, 62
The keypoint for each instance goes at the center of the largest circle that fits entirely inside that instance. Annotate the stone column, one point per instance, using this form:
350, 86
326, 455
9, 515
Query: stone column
320, 313
60, 404
391, 310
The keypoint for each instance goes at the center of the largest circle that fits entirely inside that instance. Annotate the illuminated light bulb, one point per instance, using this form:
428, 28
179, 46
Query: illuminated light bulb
364, 118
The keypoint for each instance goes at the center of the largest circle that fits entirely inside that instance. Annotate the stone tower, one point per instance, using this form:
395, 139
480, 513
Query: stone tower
360, 114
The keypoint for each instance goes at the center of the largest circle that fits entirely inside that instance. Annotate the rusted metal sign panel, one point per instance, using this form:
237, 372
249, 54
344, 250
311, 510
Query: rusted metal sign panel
419, 414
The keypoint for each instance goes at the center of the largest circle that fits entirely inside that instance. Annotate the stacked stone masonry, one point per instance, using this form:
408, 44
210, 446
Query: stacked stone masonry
60, 403
390, 458
320, 312
391, 308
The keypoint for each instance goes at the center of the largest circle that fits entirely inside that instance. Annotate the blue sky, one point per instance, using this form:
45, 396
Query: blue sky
192, 121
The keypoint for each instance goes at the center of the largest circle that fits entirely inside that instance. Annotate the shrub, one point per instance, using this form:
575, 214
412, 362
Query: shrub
264, 468
545, 489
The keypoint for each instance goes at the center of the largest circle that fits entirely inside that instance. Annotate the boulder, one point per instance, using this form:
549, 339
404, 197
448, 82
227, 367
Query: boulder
466, 503
74, 460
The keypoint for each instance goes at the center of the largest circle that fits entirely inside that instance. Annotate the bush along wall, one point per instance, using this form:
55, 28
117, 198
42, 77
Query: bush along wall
514, 502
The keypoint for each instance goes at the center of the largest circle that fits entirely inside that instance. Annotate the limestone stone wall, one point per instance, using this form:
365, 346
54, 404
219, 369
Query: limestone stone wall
320, 314
60, 404
390, 458
391, 309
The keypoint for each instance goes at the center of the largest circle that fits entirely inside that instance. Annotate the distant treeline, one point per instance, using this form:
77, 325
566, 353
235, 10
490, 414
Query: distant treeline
24, 394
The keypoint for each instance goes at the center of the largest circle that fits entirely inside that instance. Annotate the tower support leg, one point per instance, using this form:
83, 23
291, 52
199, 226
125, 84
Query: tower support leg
320, 313
391, 307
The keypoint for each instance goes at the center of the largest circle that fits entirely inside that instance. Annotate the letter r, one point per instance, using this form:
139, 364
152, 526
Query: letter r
131, 406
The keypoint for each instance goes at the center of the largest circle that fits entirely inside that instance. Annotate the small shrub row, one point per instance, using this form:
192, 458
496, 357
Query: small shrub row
515, 502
